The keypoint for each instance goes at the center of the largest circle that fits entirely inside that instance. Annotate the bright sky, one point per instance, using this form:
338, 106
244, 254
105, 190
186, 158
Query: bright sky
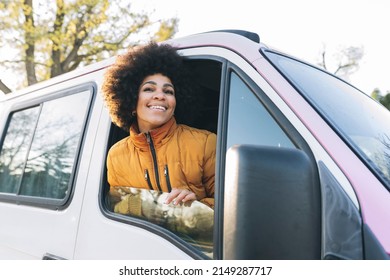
297, 27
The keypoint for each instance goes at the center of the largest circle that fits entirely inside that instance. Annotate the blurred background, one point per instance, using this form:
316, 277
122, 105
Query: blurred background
41, 39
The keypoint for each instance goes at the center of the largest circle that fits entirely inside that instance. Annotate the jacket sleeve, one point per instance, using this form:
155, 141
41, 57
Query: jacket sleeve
112, 181
209, 169
111, 177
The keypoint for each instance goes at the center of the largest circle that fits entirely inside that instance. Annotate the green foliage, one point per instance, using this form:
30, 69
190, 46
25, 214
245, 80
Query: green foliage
56, 36
384, 100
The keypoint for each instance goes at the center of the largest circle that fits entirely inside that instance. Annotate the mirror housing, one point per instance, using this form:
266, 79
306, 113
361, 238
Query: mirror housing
272, 204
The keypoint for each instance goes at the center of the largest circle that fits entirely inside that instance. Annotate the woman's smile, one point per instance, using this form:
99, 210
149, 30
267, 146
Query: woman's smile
156, 102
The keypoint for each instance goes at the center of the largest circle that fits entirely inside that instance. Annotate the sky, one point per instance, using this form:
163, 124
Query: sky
301, 28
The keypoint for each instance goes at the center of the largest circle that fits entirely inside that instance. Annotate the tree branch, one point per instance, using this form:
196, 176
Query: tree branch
343, 66
55, 69
78, 42
30, 41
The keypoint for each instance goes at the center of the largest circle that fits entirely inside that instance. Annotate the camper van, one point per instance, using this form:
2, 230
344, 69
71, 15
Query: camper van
302, 166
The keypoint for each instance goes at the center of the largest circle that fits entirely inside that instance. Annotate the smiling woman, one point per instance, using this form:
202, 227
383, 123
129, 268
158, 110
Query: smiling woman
156, 102
145, 90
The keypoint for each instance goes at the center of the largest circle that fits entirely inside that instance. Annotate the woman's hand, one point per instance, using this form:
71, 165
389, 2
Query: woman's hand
180, 195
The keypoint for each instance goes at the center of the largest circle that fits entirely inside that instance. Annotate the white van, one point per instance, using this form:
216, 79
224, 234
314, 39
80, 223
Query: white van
302, 167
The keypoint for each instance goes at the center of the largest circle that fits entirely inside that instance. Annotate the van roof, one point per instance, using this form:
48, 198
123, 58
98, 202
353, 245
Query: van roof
59, 79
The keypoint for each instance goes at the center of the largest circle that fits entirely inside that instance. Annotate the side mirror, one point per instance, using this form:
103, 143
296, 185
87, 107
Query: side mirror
272, 204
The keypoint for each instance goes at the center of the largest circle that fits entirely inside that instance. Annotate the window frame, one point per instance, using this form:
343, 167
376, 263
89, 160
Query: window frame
288, 128
45, 202
171, 237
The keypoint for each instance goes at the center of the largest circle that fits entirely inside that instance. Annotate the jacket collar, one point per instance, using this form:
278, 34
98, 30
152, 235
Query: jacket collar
158, 135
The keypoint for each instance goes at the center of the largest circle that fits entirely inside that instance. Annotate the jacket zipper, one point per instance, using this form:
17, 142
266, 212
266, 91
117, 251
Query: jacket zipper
154, 156
146, 174
166, 174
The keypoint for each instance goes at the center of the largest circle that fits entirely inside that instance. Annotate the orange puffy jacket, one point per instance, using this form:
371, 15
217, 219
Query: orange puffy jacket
172, 156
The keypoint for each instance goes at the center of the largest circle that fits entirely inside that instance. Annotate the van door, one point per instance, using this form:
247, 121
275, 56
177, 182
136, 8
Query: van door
156, 231
104, 234
259, 203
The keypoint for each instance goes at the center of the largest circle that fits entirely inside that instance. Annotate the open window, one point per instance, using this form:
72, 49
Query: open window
189, 226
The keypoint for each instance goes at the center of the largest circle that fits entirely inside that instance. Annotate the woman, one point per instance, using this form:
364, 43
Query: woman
144, 90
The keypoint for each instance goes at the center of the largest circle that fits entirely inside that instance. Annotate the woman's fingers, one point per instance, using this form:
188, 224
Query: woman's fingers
180, 195
185, 196
172, 195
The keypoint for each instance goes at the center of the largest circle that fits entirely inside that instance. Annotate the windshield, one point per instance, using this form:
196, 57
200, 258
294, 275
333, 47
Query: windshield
362, 122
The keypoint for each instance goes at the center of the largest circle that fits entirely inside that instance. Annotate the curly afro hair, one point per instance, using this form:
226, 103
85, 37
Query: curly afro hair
122, 80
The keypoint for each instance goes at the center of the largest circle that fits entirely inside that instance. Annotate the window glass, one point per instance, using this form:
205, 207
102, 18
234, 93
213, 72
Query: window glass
40, 148
361, 121
249, 122
15, 148
193, 222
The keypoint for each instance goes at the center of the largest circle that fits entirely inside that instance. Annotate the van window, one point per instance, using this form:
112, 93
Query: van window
15, 148
39, 149
190, 225
249, 122
366, 132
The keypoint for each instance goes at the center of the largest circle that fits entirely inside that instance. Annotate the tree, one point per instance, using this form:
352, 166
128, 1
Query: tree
54, 37
347, 61
384, 100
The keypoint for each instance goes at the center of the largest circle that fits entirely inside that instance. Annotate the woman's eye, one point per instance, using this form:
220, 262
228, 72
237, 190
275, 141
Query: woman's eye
169, 91
148, 89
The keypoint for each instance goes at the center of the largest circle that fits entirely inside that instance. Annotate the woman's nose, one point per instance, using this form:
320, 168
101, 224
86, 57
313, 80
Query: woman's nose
159, 94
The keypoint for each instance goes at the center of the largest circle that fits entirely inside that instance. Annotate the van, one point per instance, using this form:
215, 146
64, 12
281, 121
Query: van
302, 165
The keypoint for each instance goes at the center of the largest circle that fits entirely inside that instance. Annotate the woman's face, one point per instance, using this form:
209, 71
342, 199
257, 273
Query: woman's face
156, 102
